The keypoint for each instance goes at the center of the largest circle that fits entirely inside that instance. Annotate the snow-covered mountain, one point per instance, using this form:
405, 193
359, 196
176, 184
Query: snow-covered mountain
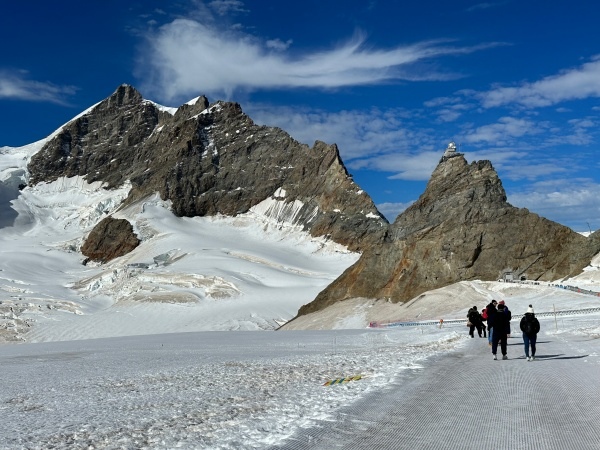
239, 225
189, 274
209, 159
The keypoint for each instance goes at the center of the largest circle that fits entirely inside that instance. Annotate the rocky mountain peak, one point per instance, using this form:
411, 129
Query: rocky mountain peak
124, 95
210, 159
455, 191
460, 228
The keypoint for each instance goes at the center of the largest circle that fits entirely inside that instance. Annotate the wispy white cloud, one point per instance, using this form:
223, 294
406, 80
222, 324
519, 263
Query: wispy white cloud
524, 150
15, 85
565, 200
392, 210
225, 7
572, 84
500, 156
411, 166
580, 132
278, 44
448, 114
441, 101
450, 109
527, 169
486, 5
503, 131
187, 55
452, 113
523, 164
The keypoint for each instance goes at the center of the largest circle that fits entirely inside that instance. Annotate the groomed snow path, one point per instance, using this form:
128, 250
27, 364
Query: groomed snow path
466, 400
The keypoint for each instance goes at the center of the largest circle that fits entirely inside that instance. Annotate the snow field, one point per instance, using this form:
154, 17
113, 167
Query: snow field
213, 390
250, 272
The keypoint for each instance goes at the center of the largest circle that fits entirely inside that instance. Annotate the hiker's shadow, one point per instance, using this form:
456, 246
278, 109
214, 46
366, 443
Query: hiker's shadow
521, 343
559, 356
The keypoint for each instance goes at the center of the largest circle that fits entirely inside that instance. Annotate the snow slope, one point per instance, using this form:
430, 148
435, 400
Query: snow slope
250, 272
219, 390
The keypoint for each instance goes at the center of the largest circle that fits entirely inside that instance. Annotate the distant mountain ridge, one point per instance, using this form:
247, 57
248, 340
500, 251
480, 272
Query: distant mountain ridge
211, 159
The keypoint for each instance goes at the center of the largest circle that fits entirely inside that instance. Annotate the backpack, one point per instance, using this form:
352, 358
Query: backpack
484, 314
529, 328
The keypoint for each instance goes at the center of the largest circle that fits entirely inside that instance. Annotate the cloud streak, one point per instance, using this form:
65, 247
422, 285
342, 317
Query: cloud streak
16, 87
186, 55
502, 132
573, 84
224, 7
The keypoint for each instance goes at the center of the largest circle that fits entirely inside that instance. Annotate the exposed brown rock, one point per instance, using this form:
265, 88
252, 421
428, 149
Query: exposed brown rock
461, 228
110, 239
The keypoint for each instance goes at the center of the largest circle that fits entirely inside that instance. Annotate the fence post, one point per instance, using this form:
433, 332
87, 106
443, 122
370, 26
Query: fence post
555, 322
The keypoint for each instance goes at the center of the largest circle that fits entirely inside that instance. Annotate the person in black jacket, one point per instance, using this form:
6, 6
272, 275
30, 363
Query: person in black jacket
475, 321
500, 326
530, 327
507, 312
491, 312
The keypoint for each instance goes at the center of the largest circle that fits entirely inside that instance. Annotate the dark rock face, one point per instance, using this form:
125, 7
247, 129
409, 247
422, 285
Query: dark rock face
211, 159
461, 228
110, 239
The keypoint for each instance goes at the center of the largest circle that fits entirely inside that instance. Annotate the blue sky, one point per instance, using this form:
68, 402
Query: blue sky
390, 82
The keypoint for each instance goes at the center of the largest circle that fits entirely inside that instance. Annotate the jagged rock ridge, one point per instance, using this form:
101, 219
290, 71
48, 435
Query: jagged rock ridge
211, 159
461, 228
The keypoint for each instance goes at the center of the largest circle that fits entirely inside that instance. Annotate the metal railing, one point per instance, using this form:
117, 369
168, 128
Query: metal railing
462, 322
441, 322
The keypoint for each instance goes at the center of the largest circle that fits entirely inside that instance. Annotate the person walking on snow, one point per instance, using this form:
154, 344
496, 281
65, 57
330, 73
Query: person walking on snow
475, 321
491, 312
508, 313
483, 317
530, 327
500, 326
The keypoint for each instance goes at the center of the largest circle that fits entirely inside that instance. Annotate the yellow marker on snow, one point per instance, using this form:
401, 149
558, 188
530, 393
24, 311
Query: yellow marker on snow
342, 380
